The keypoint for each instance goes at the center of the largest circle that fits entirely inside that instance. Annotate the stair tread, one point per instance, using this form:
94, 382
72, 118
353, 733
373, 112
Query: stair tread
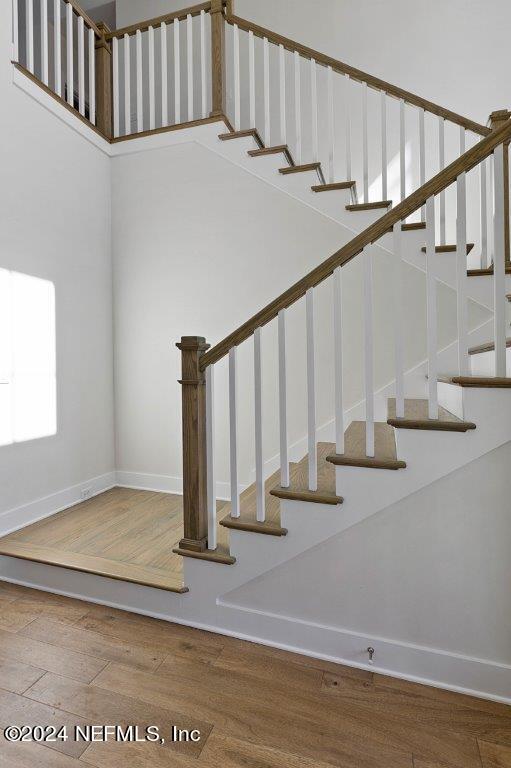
485, 271
413, 225
334, 186
219, 555
496, 382
248, 510
299, 485
301, 168
253, 132
488, 346
369, 206
417, 417
355, 450
448, 248
281, 149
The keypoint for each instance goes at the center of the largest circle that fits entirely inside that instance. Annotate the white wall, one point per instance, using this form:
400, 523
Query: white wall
55, 223
432, 570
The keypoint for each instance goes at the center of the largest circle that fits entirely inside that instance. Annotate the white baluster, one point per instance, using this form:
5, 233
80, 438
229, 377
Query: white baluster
462, 141
314, 111
441, 163
284, 456
490, 209
365, 144
177, 73
152, 82
57, 47
399, 319
402, 147
260, 500
116, 94
368, 351
298, 108
384, 160
499, 273
251, 76
461, 272
233, 434
204, 103
164, 76
44, 41
237, 89
266, 69
431, 309
15, 31
483, 214
139, 64
331, 125
92, 76
311, 393
338, 358
348, 127
81, 65
282, 94
127, 85
189, 55
70, 55
210, 456
30, 35
422, 157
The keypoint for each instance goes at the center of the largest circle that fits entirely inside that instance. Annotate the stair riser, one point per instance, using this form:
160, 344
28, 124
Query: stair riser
483, 364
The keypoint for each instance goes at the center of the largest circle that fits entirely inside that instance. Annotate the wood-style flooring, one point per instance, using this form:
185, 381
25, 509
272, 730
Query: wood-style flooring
66, 662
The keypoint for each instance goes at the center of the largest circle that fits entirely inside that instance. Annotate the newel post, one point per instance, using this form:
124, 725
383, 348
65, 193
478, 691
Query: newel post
193, 384
496, 121
217, 58
104, 82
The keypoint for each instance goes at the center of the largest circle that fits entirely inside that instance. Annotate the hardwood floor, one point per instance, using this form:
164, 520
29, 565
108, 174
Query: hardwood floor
66, 662
122, 533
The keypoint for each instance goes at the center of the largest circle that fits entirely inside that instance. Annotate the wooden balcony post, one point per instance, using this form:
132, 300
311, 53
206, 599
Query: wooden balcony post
496, 121
218, 85
104, 82
193, 384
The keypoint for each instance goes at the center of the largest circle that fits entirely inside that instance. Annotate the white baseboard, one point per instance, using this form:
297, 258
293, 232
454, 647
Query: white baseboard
145, 481
19, 517
434, 667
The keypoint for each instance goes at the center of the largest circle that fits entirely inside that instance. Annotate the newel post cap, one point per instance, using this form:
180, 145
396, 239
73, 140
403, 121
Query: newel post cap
498, 118
193, 344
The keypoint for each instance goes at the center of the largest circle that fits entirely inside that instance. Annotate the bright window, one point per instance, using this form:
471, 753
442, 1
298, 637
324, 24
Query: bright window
28, 397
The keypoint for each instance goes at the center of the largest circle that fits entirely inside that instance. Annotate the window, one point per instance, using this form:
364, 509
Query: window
28, 389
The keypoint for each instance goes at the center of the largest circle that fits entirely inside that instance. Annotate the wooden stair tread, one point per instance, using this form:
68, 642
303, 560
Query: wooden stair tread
332, 187
485, 271
417, 417
413, 226
99, 566
301, 168
219, 555
488, 346
355, 451
247, 521
299, 481
369, 206
250, 132
486, 382
448, 248
281, 149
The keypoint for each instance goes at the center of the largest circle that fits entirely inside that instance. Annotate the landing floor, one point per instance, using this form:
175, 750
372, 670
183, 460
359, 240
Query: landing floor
66, 662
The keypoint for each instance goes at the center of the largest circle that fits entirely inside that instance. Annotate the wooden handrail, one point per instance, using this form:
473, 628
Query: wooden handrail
370, 235
359, 75
87, 19
168, 18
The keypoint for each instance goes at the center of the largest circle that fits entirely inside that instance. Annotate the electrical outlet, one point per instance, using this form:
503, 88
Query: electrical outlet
85, 493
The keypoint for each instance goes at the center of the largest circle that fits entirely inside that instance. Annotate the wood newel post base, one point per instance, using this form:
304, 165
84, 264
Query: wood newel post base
193, 382
104, 83
218, 86
496, 121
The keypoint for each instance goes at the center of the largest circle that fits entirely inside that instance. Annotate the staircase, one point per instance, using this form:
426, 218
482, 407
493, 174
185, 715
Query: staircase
425, 424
